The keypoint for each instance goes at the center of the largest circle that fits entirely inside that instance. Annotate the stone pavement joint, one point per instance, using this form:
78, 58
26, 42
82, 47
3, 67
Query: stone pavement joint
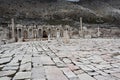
81, 59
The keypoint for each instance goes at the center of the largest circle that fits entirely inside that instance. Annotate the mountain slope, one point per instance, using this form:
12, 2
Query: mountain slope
61, 12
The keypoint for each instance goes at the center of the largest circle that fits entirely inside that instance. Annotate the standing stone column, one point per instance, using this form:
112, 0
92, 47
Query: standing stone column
13, 28
22, 33
58, 34
18, 33
81, 28
98, 31
49, 37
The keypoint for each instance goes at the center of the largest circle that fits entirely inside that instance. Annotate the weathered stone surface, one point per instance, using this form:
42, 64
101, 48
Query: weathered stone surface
47, 60
54, 73
26, 59
10, 68
25, 67
69, 74
22, 75
5, 60
77, 72
85, 68
66, 60
116, 75
82, 59
36, 62
100, 77
59, 63
85, 76
38, 73
5, 78
7, 73
73, 67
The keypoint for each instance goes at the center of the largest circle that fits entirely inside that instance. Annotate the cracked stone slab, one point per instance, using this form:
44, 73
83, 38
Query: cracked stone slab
54, 73
5, 78
88, 60
85, 68
10, 68
85, 76
36, 62
66, 60
7, 73
26, 59
116, 75
100, 77
22, 75
26, 67
47, 61
38, 73
5, 60
73, 67
59, 63
69, 74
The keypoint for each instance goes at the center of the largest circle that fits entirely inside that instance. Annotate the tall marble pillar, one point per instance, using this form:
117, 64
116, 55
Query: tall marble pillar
49, 37
13, 28
98, 31
18, 33
58, 34
81, 28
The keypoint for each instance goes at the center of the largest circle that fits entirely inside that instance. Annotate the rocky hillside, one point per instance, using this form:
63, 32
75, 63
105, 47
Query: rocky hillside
60, 11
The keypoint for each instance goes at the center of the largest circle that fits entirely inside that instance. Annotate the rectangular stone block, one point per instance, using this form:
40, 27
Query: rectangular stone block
22, 76
85, 76
69, 74
38, 73
46, 61
54, 73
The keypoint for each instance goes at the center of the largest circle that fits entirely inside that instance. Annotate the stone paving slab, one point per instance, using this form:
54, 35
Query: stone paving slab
7, 73
38, 73
22, 75
46, 60
85, 76
54, 73
5, 78
70, 75
81, 59
5, 60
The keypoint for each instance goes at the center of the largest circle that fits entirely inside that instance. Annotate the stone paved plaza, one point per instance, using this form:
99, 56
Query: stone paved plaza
81, 59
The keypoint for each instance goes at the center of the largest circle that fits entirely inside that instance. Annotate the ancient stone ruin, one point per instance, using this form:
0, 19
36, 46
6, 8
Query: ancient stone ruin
15, 32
